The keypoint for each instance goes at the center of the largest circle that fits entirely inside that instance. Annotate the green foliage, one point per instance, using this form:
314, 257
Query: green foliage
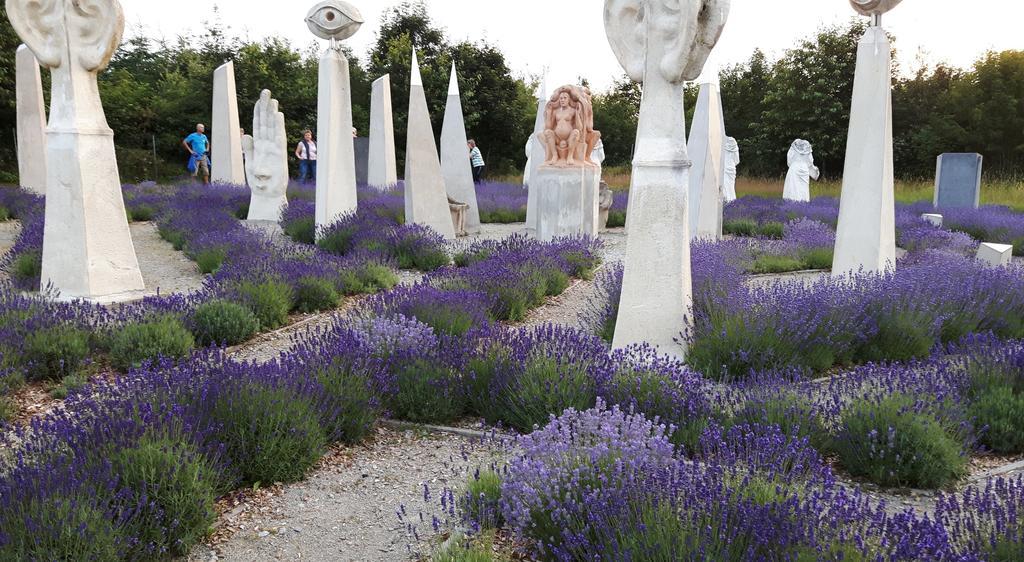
448, 320
68, 385
478, 549
546, 386
271, 434
313, 294
616, 219
86, 531
137, 343
210, 259
793, 414
817, 258
179, 487
482, 501
368, 278
352, 394
8, 409
503, 216
27, 266
174, 238
223, 322
54, 353
901, 336
5, 215
891, 444
269, 300
302, 230
615, 115
776, 264
410, 256
338, 240
426, 393
739, 227
140, 213
1000, 410
651, 394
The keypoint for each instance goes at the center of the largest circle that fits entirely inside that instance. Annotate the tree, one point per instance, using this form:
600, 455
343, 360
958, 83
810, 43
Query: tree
615, 114
8, 109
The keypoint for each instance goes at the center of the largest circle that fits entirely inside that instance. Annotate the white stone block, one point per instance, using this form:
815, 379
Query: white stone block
382, 168
226, 144
995, 255
935, 220
31, 122
535, 155
567, 202
866, 233
426, 200
707, 138
336, 159
455, 165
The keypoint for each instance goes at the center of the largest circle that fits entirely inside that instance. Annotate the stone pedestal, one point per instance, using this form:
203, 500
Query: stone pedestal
336, 163
935, 220
31, 122
458, 210
958, 180
707, 137
382, 170
995, 255
866, 232
534, 159
226, 144
455, 165
567, 202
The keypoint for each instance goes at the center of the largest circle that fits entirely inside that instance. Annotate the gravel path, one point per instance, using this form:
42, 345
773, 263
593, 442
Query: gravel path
164, 269
346, 510
8, 234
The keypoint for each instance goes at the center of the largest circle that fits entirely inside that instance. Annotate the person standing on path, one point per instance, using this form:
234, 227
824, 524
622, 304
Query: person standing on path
476, 160
305, 151
198, 146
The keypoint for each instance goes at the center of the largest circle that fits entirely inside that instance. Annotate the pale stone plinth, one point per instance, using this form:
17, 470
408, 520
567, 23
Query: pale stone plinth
534, 158
995, 255
426, 202
226, 149
458, 211
866, 233
31, 122
382, 167
336, 160
455, 165
567, 202
935, 220
707, 138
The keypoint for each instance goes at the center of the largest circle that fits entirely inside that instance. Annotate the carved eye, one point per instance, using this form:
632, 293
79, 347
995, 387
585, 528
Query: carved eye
334, 19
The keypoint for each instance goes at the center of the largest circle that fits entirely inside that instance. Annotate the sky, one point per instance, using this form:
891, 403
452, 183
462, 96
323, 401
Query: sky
567, 36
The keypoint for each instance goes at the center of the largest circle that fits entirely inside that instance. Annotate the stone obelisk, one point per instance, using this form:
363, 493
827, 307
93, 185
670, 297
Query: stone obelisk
382, 167
455, 165
31, 122
226, 143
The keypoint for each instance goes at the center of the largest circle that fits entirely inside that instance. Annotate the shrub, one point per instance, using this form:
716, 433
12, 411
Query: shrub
739, 227
377, 276
426, 393
174, 489
223, 322
1000, 411
271, 434
773, 230
792, 413
140, 213
174, 237
338, 238
775, 264
478, 549
27, 268
134, 344
269, 300
817, 258
546, 386
54, 353
313, 294
5, 215
68, 385
302, 230
658, 397
901, 336
210, 259
616, 219
451, 320
350, 390
892, 443
481, 504
242, 212
64, 526
8, 408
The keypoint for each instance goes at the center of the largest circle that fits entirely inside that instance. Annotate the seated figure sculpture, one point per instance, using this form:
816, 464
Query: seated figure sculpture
569, 137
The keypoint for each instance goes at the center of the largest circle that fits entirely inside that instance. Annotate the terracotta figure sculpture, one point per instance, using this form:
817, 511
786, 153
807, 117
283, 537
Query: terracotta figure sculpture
569, 137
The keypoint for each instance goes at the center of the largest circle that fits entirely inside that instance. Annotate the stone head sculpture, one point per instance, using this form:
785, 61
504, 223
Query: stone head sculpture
266, 160
336, 20
873, 7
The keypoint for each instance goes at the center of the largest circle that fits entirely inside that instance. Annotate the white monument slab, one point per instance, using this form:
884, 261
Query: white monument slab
958, 180
87, 246
226, 144
707, 138
995, 255
455, 165
382, 169
534, 158
662, 43
866, 232
933, 219
31, 122
426, 201
266, 161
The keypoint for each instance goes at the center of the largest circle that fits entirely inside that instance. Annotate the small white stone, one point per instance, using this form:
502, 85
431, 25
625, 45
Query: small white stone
995, 255
935, 220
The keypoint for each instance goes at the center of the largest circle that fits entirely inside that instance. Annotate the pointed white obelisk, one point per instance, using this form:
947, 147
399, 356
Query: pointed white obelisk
535, 155
31, 122
707, 138
866, 232
382, 168
336, 157
426, 200
455, 165
227, 138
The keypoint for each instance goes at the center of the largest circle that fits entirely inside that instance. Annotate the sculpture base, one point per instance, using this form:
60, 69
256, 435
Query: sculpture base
266, 208
567, 202
87, 246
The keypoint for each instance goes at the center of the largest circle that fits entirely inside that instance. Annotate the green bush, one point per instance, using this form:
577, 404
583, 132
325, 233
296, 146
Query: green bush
479, 548
773, 230
242, 212
890, 444
581, 265
313, 294
135, 344
270, 434
377, 276
901, 336
426, 393
793, 414
775, 264
739, 227
655, 395
8, 409
354, 399
817, 258
616, 219
175, 238
140, 213
5, 215
430, 259
86, 532
482, 501
54, 353
503, 216
68, 385
546, 386
302, 230
223, 322
1000, 410
27, 267
338, 240
210, 259
270, 301
174, 492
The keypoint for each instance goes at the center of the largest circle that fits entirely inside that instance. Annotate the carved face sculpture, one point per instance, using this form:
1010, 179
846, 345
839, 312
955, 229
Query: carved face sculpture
873, 7
266, 162
678, 34
334, 19
89, 29
564, 100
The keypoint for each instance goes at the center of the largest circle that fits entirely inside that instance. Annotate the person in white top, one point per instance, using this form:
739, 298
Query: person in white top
305, 151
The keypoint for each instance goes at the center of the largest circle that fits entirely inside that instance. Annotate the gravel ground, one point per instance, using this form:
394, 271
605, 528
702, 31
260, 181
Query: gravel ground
164, 269
347, 509
8, 233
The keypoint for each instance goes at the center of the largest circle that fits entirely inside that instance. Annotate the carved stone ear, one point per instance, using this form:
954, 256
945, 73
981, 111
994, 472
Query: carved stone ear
627, 33
95, 28
710, 23
40, 24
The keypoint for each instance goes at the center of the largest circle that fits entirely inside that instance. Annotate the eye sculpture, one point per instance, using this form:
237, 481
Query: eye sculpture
873, 7
334, 19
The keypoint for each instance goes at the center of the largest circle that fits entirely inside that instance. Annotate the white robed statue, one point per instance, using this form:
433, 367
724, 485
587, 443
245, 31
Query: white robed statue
801, 171
730, 159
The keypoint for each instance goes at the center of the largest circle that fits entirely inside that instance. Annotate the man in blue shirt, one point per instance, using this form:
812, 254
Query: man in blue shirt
198, 145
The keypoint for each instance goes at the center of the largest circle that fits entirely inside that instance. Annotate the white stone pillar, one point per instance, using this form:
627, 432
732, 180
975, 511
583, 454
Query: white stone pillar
707, 137
455, 165
336, 157
31, 122
383, 169
426, 200
534, 160
866, 232
226, 149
